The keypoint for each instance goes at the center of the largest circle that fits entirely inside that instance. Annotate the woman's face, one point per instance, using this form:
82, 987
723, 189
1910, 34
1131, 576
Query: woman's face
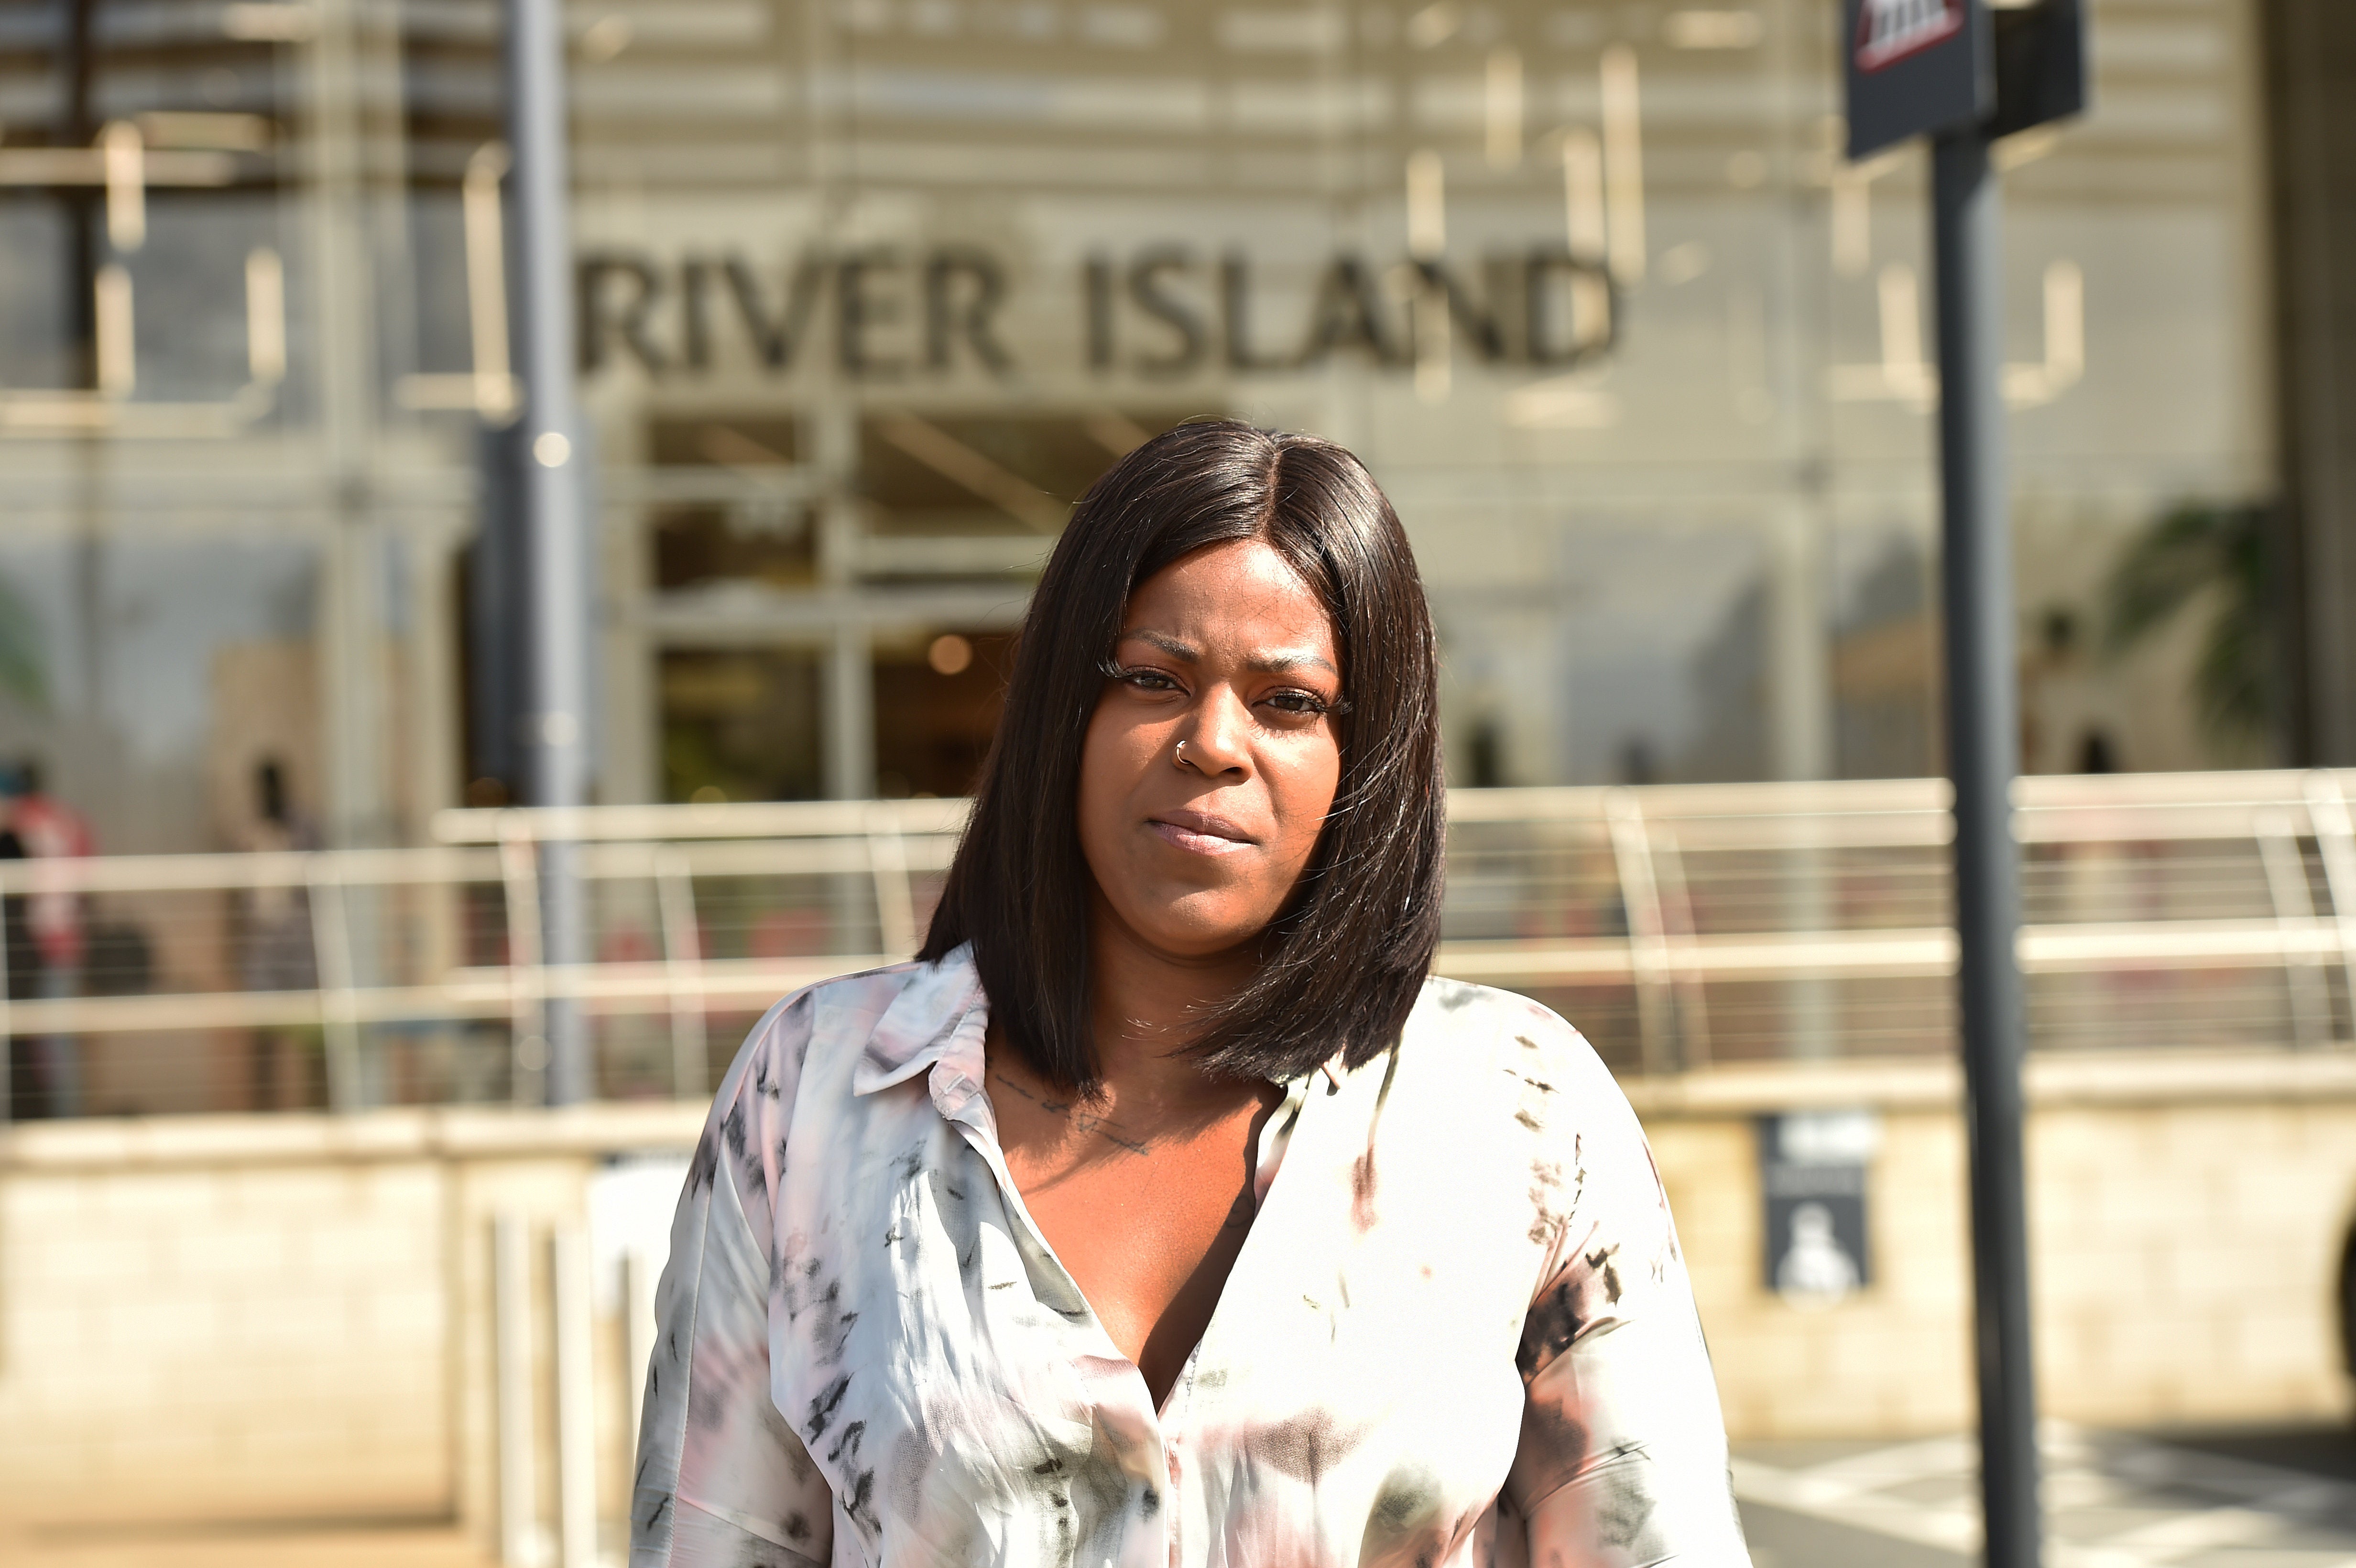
1227, 655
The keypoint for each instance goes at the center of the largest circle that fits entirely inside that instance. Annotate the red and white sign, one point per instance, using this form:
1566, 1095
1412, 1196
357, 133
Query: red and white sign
1888, 31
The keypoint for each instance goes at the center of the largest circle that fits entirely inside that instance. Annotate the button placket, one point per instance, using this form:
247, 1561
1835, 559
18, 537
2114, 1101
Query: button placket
964, 1104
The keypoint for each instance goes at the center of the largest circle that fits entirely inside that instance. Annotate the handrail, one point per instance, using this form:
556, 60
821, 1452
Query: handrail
731, 985
1867, 814
1721, 920
745, 819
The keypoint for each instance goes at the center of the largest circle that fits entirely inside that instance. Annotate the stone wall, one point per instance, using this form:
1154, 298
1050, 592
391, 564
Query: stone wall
290, 1317
284, 1317
2186, 1220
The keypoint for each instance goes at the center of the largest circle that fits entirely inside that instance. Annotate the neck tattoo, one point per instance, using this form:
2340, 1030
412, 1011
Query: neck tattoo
1081, 1119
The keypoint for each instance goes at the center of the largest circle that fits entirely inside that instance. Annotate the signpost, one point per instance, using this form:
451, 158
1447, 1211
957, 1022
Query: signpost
1950, 69
1915, 65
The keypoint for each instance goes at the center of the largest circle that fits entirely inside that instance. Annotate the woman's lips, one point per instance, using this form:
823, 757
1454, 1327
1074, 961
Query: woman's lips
1199, 833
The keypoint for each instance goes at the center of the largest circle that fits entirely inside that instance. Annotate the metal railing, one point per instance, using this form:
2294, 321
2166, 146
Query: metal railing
1676, 924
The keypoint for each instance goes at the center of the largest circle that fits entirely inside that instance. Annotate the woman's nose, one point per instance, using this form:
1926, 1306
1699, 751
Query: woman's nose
1216, 742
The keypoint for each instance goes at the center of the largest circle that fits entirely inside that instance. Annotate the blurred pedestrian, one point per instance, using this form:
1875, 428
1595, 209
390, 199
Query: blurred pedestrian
28, 1095
51, 833
1164, 1210
276, 948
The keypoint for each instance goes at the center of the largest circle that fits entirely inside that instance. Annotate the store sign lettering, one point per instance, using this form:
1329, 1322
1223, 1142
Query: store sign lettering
1888, 31
1162, 312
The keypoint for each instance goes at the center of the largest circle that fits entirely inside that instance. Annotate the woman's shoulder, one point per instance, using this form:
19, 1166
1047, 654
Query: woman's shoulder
1511, 1101
803, 1050
1501, 1053
828, 1020
1458, 1017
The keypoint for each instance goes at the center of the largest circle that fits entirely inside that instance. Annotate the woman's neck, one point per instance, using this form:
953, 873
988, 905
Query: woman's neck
1146, 1005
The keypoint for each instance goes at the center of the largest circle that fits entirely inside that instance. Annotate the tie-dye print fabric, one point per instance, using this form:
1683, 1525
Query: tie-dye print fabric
1459, 1332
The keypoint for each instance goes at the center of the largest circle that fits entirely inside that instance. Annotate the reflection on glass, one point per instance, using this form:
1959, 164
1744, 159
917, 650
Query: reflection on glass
871, 289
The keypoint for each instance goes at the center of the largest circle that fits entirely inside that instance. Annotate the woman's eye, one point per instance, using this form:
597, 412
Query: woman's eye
1302, 703
1148, 680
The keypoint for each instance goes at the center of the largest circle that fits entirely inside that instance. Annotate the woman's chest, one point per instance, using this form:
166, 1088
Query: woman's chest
1148, 1228
1353, 1391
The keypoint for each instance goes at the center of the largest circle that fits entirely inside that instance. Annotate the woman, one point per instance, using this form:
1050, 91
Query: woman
1163, 1212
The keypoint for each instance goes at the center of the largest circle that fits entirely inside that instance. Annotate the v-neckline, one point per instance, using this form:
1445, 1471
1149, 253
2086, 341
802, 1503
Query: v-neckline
1285, 1122
1278, 1135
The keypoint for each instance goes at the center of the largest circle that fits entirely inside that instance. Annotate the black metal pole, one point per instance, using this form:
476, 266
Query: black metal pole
1983, 756
77, 128
551, 496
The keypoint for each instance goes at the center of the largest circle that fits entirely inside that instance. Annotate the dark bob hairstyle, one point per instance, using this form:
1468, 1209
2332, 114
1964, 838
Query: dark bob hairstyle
1342, 965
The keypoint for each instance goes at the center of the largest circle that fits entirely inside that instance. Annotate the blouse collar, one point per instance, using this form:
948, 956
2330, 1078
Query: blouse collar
939, 1017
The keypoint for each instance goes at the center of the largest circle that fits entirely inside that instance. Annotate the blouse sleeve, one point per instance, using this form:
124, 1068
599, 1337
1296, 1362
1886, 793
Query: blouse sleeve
720, 1479
1623, 1458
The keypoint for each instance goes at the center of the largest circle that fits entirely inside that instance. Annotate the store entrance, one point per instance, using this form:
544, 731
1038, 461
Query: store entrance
937, 699
830, 594
741, 724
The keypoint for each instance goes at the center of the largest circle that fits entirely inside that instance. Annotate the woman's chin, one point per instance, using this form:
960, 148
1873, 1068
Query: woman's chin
1212, 929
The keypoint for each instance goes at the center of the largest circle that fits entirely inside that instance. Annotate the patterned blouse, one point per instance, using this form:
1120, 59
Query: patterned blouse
1459, 1331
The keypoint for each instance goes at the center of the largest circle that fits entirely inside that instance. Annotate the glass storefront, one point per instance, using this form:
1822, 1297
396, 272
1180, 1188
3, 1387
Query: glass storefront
872, 289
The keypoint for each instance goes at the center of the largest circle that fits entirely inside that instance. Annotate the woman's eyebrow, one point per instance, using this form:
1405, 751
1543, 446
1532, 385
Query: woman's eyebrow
1175, 647
1264, 663
1278, 663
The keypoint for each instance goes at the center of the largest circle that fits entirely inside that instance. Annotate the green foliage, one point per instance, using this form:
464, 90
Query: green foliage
22, 673
2220, 554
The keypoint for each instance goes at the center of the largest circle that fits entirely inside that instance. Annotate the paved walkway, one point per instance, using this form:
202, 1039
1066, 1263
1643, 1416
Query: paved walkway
2112, 1501
386, 1546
